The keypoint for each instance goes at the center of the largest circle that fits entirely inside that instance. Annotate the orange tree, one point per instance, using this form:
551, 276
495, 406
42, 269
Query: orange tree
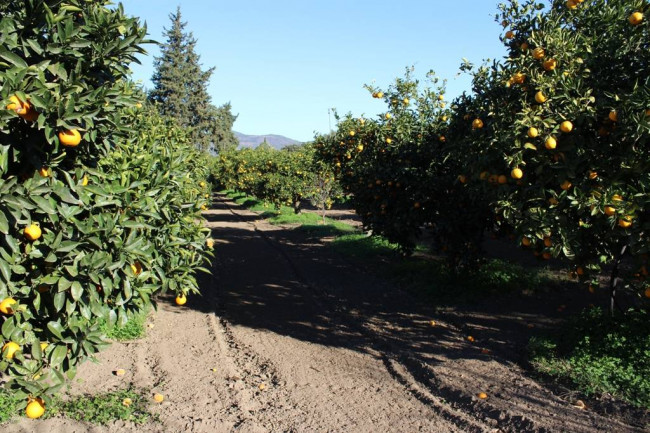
395, 168
279, 177
561, 129
99, 206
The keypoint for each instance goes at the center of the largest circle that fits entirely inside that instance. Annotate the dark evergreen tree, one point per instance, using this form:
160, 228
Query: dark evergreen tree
181, 91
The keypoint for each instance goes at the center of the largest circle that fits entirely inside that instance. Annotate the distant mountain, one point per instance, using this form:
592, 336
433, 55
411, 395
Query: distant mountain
276, 141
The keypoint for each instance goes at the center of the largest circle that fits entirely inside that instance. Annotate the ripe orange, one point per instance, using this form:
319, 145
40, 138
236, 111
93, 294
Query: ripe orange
481, 395
442, 139
550, 143
519, 78
617, 197
389, 140
181, 299
636, 18
533, 132
477, 124
548, 242
566, 126
502, 179
538, 53
136, 268
613, 116
484, 175
406, 101
360, 148
553, 201
580, 270
158, 398
610, 210
35, 408
470, 339
462, 178
566, 185
32, 232
525, 241
540, 98
546, 256
70, 138
625, 222
549, 64
10, 349
571, 4
510, 34
647, 292
44, 172
388, 116
593, 175
21, 108
352, 133
5, 306
524, 46
380, 94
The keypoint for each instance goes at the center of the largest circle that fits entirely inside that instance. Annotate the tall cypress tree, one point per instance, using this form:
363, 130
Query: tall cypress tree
181, 91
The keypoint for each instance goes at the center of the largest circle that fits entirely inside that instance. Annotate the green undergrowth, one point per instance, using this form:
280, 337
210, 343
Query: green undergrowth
8, 405
599, 354
132, 330
104, 408
100, 409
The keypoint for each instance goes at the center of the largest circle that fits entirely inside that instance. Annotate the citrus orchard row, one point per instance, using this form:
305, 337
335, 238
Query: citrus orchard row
550, 148
100, 197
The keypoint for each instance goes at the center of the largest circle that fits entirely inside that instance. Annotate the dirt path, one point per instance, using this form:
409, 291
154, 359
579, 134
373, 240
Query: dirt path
290, 337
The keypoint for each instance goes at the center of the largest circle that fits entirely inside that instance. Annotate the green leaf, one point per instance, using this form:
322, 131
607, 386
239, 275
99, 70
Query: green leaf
13, 58
58, 355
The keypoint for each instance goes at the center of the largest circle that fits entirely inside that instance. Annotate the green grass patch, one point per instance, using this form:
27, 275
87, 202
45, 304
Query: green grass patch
8, 405
132, 330
360, 245
104, 408
598, 354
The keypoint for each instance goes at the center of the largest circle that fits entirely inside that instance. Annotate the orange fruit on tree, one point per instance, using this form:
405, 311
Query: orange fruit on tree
523, 46
538, 53
32, 232
647, 292
550, 143
44, 172
510, 34
484, 175
625, 222
70, 137
517, 173
525, 241
546, 256
389, 140
35, 408
502, 179
380, 94
613, 116
636, 18
6, 306
549, 64
566, 126
617, 197
566, 185
470, 339
20, 107
553, 201
477, 124
181, 299
571, 4
519, 78
352, 133
533, 132
610, 210
580, 270
136, 267
462, 178
540, 98
593, 175
388, 116
10, 349
548, 242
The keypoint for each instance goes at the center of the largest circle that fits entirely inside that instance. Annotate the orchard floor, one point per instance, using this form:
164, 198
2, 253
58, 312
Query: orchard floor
289, 336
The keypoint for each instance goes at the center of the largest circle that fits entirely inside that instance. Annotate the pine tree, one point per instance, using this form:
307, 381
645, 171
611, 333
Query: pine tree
181, 91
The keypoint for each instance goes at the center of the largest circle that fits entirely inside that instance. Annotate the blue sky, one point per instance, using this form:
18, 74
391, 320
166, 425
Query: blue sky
282, 64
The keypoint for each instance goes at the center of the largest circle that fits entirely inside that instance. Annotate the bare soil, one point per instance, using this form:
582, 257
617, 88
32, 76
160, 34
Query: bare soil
289, 336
